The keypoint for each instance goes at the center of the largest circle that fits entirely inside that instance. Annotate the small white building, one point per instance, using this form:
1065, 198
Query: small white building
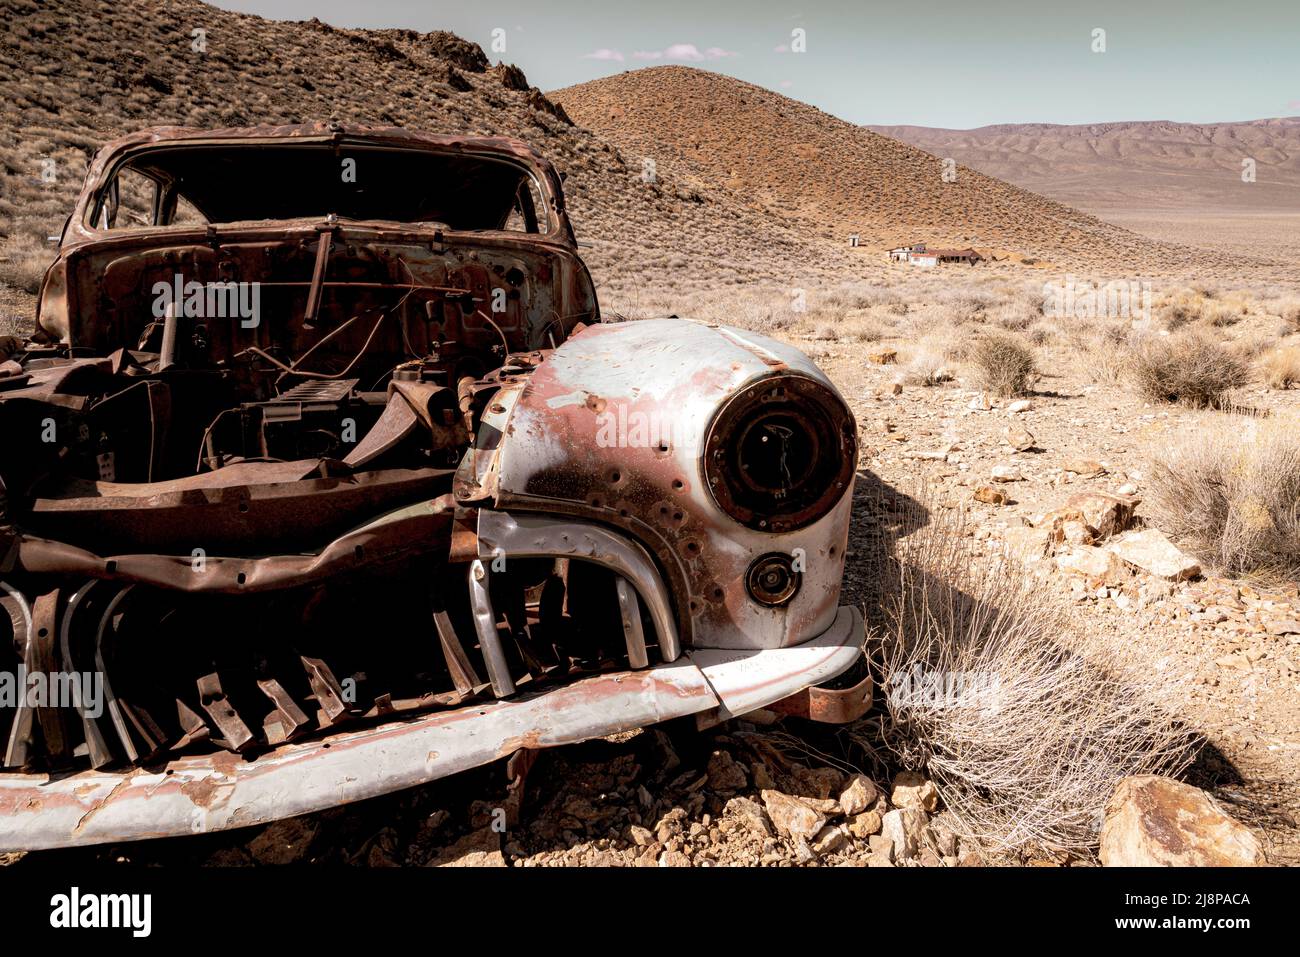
903, 253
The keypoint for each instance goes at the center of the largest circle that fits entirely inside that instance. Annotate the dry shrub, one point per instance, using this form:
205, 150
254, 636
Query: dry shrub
1289, 311
1178, 310
1281, 367
1200, 304
1229, 491
1107, 351
1188, 367
1004, 364
1025, 723
1040, 334
23, 262
862, 328
930, 362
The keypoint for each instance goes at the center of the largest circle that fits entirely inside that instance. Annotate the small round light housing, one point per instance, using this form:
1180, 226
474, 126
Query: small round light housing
772, 579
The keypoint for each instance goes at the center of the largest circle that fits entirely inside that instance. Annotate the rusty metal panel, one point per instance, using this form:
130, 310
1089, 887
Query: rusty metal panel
195, 795
746, 680
611, 427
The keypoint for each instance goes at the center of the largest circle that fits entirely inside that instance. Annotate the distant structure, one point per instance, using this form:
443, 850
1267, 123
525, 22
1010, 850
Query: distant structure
918, 255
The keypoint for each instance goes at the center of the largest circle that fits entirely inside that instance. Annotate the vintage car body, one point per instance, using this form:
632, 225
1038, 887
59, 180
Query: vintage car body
418, 510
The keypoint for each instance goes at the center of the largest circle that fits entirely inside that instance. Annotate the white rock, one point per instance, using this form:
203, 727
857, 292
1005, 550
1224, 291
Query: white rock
1020, 405
858, 795
1006, 473
913, 790
904, 829
1150, 551
1154, 821
1091, 562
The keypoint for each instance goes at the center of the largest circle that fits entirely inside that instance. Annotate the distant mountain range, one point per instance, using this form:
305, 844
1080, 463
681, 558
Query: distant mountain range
1149, 165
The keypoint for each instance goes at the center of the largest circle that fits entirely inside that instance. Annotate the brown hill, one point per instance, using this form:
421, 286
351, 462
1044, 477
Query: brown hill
1153, 165
78, 73
830, 177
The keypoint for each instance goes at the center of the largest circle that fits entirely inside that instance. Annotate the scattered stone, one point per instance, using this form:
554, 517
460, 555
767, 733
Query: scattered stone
980, 403
1020, 405
1019, 439
674, 859
819, 783
913, 790
1092, 562
929, 858
829, 840
802, 852
725, 774
747, 811
857, 797
641, 836
1106, 515
945, 841
864, 825
883, 357
1154, 821
481, 848
904, 828
1150, 551
1088, 468
283, 842
792, 816
1027, 544
990, 496
1006, 473
881, 846
1128, 488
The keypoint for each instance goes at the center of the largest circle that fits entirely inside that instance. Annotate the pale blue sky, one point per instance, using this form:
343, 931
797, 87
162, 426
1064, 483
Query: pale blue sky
929, 62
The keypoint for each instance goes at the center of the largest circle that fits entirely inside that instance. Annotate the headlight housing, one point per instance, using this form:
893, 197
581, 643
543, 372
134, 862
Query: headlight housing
780, 453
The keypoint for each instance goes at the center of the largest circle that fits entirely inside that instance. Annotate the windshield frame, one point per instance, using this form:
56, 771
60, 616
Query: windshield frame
94, 197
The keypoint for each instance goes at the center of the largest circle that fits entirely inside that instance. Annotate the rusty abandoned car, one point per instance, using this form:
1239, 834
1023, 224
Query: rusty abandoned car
321, 477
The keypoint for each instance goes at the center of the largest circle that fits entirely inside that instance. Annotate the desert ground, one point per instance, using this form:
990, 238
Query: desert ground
1217, 651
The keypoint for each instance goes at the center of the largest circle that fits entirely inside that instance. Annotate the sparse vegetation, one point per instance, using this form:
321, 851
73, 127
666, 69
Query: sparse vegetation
1281, 367
1230, 491
1045, 718
1187, 367
1004, 364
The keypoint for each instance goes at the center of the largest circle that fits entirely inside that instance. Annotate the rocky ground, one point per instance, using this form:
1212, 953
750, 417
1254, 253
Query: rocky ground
1021, 467
1056, 478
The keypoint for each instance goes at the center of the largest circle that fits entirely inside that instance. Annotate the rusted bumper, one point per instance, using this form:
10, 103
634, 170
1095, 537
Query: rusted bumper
214, 792
838, 704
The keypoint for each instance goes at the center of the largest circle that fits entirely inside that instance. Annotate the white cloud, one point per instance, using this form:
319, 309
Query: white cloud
681, 52
786, 84
604, 54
